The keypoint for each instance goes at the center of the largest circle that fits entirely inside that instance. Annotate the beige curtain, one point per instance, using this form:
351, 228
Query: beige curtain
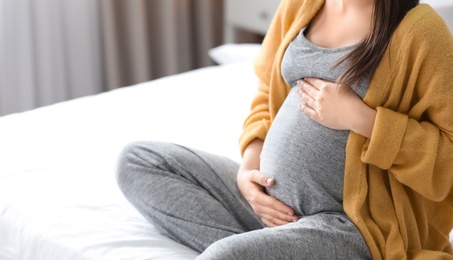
48, 52
148, 39
55, 50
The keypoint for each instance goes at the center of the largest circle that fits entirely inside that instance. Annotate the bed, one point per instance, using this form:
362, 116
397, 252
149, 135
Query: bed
58, 195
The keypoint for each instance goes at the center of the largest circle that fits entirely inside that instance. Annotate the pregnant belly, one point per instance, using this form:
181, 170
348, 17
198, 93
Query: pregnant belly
306, 160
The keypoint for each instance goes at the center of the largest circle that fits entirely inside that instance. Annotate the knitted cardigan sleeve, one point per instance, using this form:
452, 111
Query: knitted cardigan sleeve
413, 133
398, 184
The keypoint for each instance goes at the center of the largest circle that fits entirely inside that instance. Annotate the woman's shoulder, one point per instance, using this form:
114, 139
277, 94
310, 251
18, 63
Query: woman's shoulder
422, 24
290, 9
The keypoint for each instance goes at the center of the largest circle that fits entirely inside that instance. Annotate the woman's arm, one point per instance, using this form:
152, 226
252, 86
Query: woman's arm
413, 133
336, 106
250, 180
251, 183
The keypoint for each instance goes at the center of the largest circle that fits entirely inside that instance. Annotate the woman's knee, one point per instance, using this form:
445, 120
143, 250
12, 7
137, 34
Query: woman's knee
227, 248
141, 158
130, 159
241, 246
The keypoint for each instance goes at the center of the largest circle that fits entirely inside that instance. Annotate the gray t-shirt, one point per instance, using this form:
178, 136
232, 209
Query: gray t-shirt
306, 158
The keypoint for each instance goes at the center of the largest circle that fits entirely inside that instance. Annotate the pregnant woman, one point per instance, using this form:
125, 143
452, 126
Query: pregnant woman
346, 152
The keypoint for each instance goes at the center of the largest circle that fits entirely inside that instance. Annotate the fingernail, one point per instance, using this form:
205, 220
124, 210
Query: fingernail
268, 180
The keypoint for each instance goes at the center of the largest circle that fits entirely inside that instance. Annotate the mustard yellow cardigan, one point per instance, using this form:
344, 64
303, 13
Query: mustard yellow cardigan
398, 184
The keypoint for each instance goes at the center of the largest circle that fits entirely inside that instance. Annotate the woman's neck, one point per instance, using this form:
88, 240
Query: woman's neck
341, 23
347, 4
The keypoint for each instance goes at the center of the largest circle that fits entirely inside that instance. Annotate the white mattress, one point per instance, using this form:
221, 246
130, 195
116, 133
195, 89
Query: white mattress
58, 196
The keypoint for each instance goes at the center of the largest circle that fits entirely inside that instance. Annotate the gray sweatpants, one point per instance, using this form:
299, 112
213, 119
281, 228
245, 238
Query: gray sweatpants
191, 196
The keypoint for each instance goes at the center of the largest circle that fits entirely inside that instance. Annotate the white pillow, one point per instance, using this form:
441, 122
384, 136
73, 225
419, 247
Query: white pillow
234, 52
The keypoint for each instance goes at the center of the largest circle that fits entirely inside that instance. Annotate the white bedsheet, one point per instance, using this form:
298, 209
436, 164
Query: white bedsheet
58, 196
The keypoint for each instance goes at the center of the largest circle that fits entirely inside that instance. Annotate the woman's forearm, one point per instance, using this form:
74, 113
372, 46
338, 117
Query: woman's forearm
364, 121
251, 156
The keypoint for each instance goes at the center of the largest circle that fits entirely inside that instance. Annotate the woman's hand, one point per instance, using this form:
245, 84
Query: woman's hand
335, 106
270, 210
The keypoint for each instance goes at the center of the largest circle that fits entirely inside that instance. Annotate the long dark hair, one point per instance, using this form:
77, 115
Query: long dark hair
387, 14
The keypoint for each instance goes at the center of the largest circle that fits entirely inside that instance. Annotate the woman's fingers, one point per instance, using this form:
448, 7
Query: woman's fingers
262, 179
270, 210
330, 104
309, 111
273, 222
277, 218
311, 85
278, 208
309, 94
